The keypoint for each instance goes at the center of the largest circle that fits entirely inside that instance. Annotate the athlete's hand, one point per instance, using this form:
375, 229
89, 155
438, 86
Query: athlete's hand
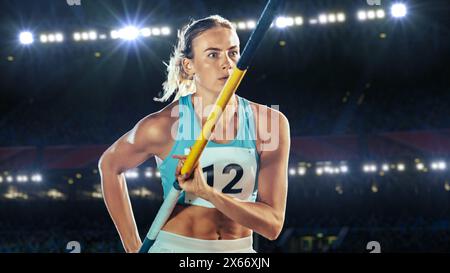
194, 183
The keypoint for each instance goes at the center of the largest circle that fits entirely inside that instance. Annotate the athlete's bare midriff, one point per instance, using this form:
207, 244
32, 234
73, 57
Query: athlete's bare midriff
204, 223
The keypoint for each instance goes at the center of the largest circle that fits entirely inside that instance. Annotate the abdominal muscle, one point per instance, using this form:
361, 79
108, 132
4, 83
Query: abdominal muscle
204, 223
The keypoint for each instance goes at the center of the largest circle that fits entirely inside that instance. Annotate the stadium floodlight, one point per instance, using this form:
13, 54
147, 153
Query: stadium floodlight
420, 166
158, 174
251, 24
438, 165
133, 174
400, 167
128, 33
148, 173
242, 25
26, 37
369, 168
374, 188
282, 22
344, 168
102, 36
156, 31
323, 19
77, 36
165, 31
298, 20
371, 15
36, 178
92, 35
362, 15
319, 171
385, 167
22, 178
145, 32
291, 171
289, 21
366, 168
59, 37
380, 14
84, 36
9, 179
340, 17
331, 18
398, 10
114, 34
301, 171
313, 21
51, 38
43, 38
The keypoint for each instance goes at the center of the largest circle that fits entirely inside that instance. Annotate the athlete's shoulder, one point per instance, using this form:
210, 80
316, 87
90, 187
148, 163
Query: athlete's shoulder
156, 127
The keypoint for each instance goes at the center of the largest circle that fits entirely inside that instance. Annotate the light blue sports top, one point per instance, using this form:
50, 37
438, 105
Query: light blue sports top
231, 168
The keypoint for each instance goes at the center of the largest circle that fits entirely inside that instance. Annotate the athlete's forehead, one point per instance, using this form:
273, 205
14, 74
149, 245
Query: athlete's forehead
218, 38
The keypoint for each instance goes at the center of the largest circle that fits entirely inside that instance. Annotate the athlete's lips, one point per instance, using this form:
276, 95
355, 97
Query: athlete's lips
224, 78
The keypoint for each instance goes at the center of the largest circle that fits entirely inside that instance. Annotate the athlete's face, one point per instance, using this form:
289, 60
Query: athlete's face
216, 52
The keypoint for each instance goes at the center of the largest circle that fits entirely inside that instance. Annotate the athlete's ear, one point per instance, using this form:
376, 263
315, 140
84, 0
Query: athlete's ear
188, 66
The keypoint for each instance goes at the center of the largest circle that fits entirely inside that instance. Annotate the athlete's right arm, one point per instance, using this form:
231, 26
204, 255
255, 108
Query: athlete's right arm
129, 151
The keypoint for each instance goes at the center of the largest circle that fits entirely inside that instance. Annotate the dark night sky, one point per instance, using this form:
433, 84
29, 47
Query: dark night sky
334, 79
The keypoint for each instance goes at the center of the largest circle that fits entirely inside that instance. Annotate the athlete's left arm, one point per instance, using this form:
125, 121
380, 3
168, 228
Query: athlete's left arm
266, 216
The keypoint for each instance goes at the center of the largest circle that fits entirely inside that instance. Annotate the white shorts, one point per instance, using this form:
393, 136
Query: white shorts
168, 242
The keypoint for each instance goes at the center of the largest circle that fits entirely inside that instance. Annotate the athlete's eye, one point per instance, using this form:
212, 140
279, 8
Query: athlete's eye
212, 55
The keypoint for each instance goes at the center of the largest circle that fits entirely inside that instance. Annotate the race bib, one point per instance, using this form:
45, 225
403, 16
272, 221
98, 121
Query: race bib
230, 170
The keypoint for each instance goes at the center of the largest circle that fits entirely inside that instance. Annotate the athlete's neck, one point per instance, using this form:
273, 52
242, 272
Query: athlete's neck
204, 101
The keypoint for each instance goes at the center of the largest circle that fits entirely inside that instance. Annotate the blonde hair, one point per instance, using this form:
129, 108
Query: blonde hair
178, 81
